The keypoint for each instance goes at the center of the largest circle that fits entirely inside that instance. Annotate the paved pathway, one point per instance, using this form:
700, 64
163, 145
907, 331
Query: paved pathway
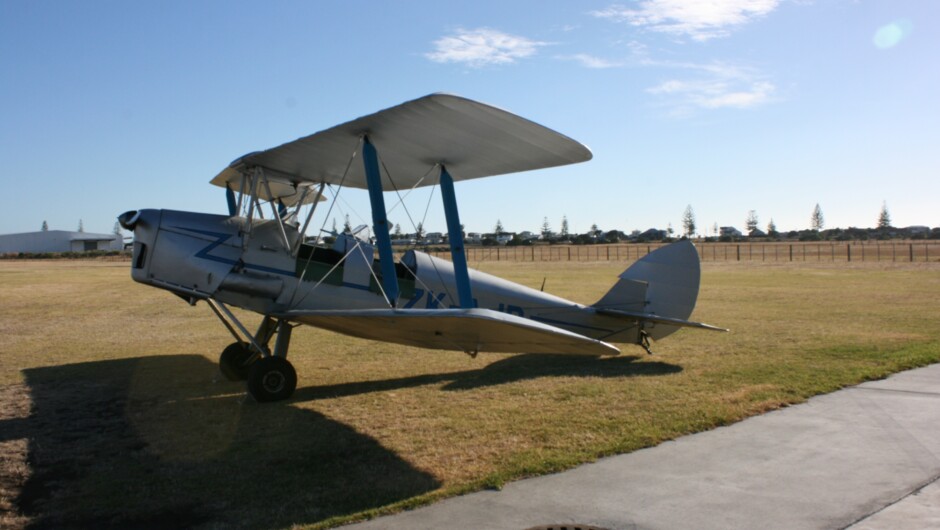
867, 456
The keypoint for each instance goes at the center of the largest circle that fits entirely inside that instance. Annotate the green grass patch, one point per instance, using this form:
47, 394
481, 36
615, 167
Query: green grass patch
131, 422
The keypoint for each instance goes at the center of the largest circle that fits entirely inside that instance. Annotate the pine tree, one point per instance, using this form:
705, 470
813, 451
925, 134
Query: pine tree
751, 221
817, 222
81, 226
564, 227
884, 218
347, 227
546, 229
688, 221
498, 229
45, 226
117, 228
771, 228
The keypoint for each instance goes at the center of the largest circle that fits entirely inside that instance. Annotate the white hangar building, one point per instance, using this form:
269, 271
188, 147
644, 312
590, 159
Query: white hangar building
59, 241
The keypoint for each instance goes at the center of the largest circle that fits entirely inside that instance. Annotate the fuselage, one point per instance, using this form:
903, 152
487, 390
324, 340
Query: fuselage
263, 267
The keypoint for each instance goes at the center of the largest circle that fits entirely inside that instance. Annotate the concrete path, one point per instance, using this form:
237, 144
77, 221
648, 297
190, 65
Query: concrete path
867, 456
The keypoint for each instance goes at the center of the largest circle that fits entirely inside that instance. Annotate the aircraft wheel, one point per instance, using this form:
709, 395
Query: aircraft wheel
236, 361
272, 379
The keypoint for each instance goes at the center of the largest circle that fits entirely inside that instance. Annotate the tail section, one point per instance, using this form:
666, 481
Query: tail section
658, 291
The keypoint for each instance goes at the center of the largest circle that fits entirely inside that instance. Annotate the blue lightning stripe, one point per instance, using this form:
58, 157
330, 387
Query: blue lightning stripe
222, 238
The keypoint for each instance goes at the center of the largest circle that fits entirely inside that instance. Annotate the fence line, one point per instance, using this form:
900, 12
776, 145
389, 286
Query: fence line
832, 251
868, 251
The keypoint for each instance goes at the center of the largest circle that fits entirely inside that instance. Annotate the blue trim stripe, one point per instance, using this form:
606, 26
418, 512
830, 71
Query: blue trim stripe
222, 238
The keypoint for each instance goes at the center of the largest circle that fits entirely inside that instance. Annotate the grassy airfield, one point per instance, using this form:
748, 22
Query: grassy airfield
113, 412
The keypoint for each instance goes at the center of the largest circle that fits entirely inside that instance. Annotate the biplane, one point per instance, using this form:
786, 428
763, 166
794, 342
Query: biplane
259, 258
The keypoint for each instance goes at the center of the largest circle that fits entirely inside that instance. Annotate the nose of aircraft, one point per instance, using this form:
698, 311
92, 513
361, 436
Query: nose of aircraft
128, 220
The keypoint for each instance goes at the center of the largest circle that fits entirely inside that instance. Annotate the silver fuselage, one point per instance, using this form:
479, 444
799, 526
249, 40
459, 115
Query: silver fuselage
262, 268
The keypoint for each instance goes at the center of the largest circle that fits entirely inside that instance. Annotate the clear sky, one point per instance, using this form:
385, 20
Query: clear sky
724, 105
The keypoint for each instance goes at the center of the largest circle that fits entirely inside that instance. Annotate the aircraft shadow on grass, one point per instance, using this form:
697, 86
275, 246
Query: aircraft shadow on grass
150, 442
508, 370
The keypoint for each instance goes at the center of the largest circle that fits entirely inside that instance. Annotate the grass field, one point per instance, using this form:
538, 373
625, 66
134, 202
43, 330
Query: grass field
113, 413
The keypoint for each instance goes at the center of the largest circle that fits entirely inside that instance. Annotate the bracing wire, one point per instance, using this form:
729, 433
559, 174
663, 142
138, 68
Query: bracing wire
341, 182
427, 208
303, 271
334, 203
401, 200
351, 208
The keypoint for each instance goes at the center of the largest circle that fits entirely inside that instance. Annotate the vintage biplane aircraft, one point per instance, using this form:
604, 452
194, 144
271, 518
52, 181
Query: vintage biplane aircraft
268, 265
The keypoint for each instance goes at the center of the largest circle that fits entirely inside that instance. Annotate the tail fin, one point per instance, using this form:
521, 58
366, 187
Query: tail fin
659, 289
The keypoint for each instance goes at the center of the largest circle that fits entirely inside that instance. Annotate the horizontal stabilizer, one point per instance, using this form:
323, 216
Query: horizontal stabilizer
468, 330
657, 319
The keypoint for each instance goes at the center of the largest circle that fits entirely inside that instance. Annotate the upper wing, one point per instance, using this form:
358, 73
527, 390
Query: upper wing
288, 192
471, 138
469, 330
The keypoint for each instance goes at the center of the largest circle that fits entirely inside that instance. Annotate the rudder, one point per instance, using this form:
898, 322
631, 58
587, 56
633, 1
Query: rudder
664, 283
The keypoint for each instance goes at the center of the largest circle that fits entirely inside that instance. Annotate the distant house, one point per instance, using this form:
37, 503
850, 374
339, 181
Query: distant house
528, 236
757, 232
917, 229
434, 238
59, 241
503, 238
474, 237
730, 231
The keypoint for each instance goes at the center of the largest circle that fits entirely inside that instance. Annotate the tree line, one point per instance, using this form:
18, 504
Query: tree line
690, 229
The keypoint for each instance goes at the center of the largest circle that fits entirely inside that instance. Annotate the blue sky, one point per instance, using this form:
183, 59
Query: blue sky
727, 106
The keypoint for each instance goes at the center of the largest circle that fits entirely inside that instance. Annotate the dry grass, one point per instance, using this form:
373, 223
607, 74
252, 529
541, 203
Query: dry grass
131, 423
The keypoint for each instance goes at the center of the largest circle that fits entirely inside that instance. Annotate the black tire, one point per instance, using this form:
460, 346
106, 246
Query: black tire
272, 379
236, 361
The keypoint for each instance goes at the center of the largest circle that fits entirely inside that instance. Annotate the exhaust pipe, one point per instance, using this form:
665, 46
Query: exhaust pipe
128, 220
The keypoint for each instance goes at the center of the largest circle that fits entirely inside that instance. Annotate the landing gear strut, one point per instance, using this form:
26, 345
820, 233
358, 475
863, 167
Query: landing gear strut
270, 376
644, 341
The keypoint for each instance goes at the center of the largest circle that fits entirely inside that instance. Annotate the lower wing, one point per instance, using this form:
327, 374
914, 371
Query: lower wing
468, 330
